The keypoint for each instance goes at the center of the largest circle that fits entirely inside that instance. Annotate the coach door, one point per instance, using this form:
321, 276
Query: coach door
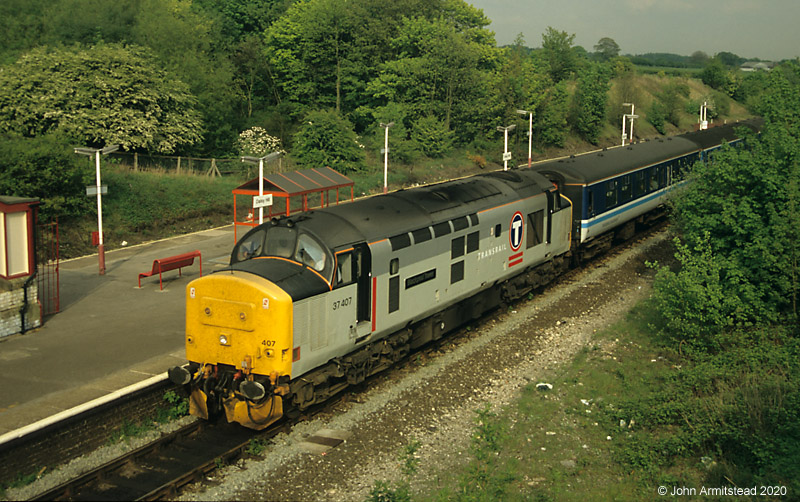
363, 267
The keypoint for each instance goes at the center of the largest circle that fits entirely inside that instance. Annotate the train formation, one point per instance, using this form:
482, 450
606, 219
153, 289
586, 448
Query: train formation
315, 302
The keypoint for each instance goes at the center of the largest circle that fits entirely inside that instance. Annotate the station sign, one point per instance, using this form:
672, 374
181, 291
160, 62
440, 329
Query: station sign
92, 189
262, 201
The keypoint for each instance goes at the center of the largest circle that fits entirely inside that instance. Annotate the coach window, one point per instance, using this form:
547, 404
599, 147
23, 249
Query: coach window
625, 188
652, 178
498, 230
535, 228
640, 183
611, 193
589, 202
394, 266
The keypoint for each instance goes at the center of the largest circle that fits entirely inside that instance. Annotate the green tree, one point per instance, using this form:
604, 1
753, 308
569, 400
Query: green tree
327, 139
730, 59
515, 84
551, 117
742, 208
657, 116
434, 138
439, 72
46, 167
715, 75
590, 100
100, 95
187, 41
558, 53
401, 147
606, 49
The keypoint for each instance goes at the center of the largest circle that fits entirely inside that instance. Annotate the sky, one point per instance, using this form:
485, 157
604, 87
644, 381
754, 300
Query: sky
766, 29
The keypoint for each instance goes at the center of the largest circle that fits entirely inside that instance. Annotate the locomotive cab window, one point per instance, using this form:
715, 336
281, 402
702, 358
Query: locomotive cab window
310, 253
250, 246
281, 242
344, 268
535, 229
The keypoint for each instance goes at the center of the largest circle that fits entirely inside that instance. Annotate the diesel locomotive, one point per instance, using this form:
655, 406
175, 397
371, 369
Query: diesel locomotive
315, 302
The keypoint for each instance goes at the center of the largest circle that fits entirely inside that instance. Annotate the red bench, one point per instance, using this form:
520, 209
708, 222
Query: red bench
171, 263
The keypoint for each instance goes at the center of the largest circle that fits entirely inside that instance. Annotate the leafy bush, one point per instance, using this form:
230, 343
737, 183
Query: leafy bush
658, 117
327, 139
433, 138
46, 167
740, 408
104, 94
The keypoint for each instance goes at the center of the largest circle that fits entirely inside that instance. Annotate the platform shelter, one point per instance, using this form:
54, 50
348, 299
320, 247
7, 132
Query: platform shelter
306, 188
19, 309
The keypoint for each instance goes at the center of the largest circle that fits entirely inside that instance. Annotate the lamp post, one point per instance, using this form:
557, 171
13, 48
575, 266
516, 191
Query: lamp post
530, 134
625, 118
260, 162
101, 253
506, 153
386, 155
704, 116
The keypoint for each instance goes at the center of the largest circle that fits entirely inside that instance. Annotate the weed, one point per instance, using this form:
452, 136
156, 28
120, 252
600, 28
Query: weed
20, 481
383, 491
256, 446
129, 430
179, 407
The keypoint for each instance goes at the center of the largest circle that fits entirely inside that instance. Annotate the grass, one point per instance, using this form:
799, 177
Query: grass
142, 206
631, 414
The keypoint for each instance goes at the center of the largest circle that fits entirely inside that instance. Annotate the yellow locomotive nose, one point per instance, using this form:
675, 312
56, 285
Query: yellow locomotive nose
239, 333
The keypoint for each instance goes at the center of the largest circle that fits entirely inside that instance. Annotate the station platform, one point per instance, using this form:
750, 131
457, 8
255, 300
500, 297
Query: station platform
109, 334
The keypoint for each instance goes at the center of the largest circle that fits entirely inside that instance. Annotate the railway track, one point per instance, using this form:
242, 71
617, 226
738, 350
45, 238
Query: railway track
160, 470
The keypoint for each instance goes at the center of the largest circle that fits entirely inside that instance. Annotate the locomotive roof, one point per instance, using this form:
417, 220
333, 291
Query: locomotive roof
383, 216
592, 167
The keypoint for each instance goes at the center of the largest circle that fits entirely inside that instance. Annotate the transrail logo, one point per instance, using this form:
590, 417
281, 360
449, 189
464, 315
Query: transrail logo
515, 232
515, 229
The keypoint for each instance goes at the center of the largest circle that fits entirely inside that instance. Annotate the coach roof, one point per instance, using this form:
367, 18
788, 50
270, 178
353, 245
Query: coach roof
596, 166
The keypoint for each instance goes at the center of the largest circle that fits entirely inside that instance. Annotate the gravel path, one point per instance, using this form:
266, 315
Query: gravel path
433, 397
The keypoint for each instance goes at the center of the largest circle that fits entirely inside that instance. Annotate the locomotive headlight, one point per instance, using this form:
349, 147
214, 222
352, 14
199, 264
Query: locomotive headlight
223, 339
252, 390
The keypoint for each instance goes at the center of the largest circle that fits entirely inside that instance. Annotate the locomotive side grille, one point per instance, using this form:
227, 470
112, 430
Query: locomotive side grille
301, 315
318, 324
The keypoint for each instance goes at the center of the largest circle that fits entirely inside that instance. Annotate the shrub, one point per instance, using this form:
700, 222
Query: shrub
327, 139
433, 138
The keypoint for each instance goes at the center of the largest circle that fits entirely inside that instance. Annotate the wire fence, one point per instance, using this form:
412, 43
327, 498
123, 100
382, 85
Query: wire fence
196, 165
